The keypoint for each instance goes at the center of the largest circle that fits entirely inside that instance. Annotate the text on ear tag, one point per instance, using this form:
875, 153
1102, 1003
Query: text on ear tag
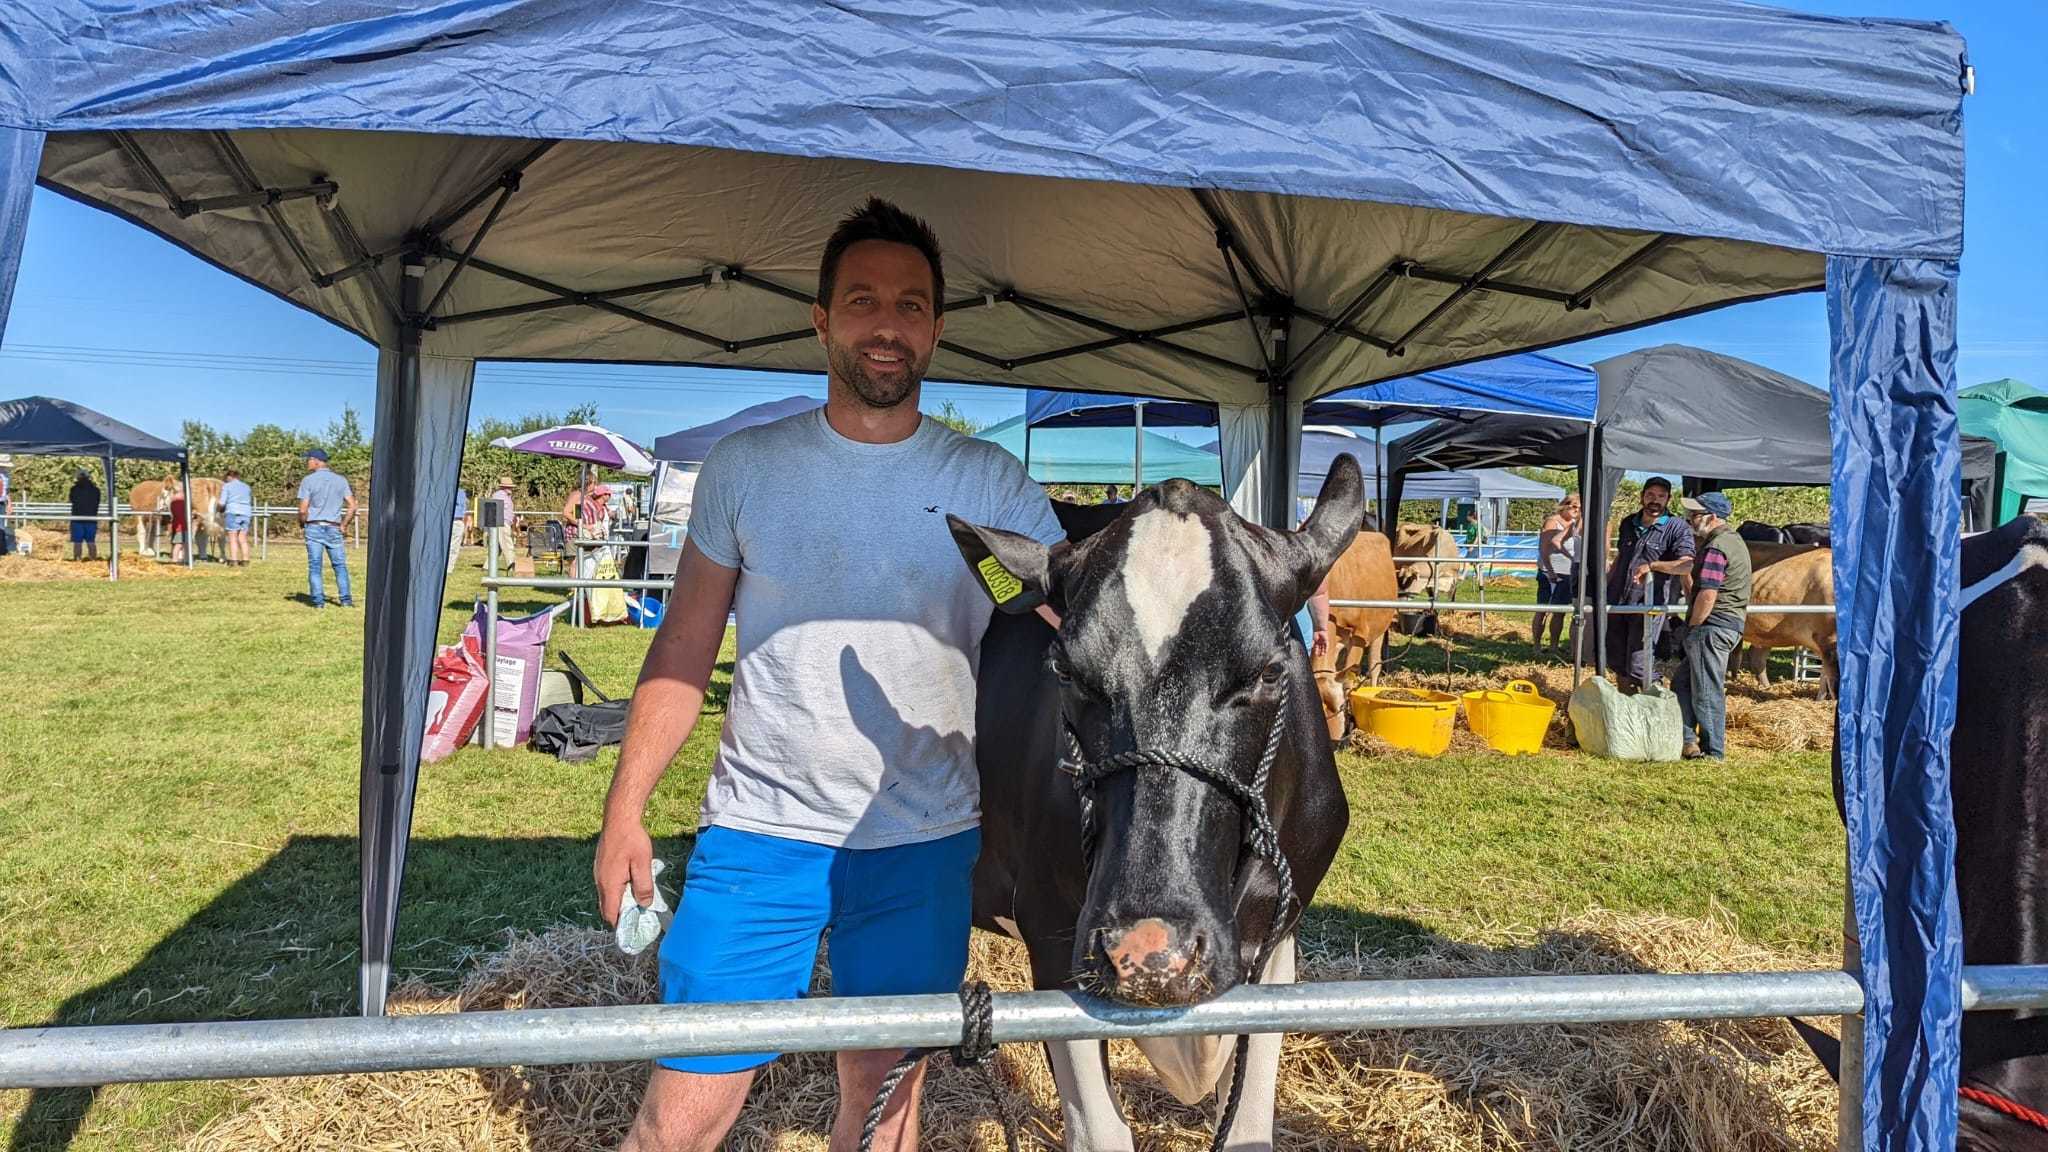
1003, 586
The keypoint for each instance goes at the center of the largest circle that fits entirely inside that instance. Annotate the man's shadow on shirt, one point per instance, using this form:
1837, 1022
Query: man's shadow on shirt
878, 720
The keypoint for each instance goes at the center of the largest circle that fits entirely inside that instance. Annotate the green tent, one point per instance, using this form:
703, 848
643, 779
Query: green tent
2016, 416
1104, 455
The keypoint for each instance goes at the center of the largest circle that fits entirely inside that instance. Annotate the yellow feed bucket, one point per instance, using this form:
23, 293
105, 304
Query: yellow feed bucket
1512, 721
1415, 718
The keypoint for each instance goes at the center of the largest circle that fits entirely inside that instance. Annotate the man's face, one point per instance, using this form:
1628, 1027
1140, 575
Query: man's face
1656, 499
881, 325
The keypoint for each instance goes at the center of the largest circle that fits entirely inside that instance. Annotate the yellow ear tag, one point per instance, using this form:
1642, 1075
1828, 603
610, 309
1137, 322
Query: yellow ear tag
1002, 585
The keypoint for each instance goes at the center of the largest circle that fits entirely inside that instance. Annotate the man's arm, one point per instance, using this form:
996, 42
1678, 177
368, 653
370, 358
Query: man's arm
348, 506
304, 506
1702, 606
666, 703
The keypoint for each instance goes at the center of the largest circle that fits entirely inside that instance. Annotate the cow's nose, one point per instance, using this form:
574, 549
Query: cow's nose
1147, 950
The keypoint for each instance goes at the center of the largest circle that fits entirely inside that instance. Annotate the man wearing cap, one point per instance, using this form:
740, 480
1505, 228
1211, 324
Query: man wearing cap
1654, 550
326, 502
1713, 625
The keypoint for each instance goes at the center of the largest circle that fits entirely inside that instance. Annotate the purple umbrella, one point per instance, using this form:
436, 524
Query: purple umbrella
582, 442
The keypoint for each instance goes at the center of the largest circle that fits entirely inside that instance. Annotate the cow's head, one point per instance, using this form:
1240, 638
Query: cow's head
1173, 638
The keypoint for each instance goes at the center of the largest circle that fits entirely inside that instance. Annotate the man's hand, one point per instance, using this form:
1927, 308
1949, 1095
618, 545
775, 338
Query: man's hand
624, 853
1641, 571
1319, 645
666, 703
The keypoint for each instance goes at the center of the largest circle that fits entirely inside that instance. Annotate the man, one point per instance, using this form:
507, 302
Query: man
502, 497
1653, 548
237, 507
1713, 625
326, 502
844, 796
459, 531
85, 516
1112, 495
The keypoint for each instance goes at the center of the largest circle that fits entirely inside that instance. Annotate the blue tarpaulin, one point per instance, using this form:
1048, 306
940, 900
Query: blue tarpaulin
1244, 203
1104, 455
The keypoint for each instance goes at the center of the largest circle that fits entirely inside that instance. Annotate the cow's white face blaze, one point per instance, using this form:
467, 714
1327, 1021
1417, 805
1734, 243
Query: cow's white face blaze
1174, 639
1167, 564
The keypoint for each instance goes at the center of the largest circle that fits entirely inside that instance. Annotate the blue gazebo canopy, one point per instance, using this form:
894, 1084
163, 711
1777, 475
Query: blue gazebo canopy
41, 426
1529, 384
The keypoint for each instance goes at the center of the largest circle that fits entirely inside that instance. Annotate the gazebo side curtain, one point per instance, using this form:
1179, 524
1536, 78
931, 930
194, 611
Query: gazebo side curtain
21, 153
1897, 528
422, 412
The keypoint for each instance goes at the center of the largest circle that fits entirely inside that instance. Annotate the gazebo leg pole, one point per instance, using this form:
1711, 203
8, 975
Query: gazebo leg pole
185, 482
113, 522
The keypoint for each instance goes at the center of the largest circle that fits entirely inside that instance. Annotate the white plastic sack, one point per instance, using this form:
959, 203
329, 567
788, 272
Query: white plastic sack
1646, 726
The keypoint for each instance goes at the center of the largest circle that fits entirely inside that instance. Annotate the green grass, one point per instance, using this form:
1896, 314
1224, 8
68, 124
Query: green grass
178, 776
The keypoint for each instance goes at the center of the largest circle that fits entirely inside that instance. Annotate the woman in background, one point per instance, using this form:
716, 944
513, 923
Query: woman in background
1557, 558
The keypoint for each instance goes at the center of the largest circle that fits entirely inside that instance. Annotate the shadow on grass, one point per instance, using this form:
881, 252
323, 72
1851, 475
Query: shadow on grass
281, 941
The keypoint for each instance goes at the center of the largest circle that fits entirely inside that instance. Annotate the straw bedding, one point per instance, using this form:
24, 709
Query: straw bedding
1721, 1086
51, 561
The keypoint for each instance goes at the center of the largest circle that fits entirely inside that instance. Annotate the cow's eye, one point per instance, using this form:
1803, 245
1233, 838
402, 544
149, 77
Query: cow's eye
1060, 669
1272, 672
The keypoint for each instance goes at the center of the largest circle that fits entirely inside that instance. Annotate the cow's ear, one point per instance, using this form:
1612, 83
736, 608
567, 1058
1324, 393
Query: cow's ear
1329, 529
1014, 570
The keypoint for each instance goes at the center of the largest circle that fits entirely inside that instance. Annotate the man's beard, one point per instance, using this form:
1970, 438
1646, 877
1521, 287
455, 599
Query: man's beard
849, 366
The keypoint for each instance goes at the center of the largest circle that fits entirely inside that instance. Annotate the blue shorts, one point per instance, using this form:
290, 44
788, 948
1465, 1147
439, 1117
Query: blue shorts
235, 521
85, 531
754, 906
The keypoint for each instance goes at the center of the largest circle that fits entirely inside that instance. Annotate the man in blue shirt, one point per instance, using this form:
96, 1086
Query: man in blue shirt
237, 505
1652, 537
325, 504
460, 529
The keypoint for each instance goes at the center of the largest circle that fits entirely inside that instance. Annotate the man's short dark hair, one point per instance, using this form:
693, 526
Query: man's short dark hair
1658, 482
880, 220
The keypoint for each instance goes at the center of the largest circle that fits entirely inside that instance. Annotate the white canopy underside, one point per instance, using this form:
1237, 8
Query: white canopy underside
1088, 263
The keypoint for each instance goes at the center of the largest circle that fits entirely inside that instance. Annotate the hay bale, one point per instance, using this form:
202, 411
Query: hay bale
1724, 1086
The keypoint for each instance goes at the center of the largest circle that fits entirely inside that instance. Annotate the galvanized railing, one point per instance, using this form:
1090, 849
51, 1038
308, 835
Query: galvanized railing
76, 1056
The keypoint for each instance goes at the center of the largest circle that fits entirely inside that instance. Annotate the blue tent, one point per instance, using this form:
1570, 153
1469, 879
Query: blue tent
1530, 384
691, 445
1103, 455
1047, 409
1245, 202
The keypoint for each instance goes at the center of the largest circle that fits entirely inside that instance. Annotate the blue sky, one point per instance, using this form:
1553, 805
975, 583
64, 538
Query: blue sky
109, 316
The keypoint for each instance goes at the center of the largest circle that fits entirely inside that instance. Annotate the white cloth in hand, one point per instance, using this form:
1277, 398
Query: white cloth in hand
640, 927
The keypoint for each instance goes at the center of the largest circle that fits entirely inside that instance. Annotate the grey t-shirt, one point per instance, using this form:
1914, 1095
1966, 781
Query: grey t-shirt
852, 714
325, 492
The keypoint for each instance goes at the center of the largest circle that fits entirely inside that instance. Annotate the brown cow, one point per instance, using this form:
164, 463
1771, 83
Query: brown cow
1364, 572
1426, 540
1802, 575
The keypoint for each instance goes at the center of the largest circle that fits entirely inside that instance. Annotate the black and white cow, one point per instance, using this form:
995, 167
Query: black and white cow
1998, 788
1175, 639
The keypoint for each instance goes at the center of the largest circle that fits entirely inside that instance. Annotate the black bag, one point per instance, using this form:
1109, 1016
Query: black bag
572, 733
